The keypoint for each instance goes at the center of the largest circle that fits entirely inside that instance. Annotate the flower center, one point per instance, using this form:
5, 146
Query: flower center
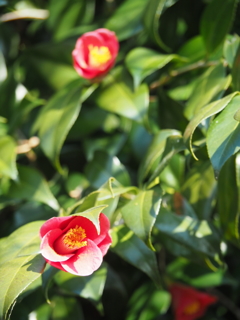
98, 55
73, 239
192, 308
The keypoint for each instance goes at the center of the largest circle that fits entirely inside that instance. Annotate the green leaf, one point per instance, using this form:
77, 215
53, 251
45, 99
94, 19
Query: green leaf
8, 157
230, 48
66, 308
208, 87
198, 236
196, 275
223, 136
193, 49
199, 188
152, 16
228, 206
117, 97
141, 62
3, 68
148, 303
103, 167
32, 186
93, 215
22, 242
130, 248
47, 278
16, 275
140, 214
20, 266
206, 112
126, 20
154, 153
90, 287
214, 30
174, 144
56, 119
235, 71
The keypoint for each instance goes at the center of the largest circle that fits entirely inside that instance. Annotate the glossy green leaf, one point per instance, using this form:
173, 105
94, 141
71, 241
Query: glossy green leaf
209, 86
126, 20
223, 136
154, 10
196, 275
90, 287
22, 242
16, 276
19, 264
174, 144
3, 68
93, 215
197, 235
148, 303
66, 308
154, 153
193, 49
117, 97
103, 167
230, 48
206, 112
8, 157
56, 119
130, 248
236, 70
32, 186
200, 189
215, 30
141, 62
228, 206
140, 214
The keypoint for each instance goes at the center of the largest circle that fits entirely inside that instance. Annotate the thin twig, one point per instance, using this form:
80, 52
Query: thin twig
174, 73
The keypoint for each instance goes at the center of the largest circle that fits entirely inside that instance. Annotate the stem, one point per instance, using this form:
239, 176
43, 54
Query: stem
174, 73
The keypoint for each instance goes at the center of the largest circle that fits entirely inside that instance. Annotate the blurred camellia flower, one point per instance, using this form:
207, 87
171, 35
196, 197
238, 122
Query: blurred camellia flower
72, 243
189, 303
95, 53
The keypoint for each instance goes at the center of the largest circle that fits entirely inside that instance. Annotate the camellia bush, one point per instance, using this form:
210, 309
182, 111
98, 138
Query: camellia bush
119, 159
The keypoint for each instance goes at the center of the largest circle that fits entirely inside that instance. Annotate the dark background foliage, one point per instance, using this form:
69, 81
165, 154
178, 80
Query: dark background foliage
63, 137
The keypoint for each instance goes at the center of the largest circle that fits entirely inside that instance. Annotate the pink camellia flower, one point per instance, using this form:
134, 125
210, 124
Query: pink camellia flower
95, 53
72, 243
189, 303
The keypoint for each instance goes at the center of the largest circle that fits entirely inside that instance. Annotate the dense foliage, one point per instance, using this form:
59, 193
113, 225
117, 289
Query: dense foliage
152, 142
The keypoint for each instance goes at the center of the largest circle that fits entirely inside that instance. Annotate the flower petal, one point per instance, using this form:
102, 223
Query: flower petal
85, 261
104, 228
47, 246
54, 223
105, 244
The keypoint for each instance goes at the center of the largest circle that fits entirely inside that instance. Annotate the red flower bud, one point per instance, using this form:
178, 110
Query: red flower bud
188, 303
95, 53
72, 243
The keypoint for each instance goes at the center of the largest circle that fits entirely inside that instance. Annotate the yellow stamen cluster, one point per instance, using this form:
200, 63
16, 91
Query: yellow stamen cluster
74, 238
98, 55
192, 308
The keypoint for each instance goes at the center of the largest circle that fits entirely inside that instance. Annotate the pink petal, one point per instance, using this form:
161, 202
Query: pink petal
86, 224
104, 228
56, 265
105, 244
85, 261
54, 223
47, 246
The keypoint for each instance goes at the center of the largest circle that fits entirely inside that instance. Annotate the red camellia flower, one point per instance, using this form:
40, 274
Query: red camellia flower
72, 243
188, 303
95, 53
